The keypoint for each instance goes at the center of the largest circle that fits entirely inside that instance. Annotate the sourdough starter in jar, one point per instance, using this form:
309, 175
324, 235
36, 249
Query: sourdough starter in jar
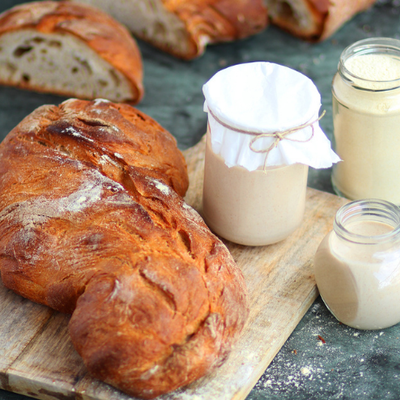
263, 134
357, 266
277, 194
366, 117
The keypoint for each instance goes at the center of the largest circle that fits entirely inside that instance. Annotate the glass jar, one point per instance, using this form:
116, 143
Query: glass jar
366, 120
263, 133
252, 208
357, 265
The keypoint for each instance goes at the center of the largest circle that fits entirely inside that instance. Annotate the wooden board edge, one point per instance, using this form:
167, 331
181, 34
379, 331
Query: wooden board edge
243, 393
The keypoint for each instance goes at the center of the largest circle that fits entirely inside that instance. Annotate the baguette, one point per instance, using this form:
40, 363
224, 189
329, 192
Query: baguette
92, 223
69, 49
183, 28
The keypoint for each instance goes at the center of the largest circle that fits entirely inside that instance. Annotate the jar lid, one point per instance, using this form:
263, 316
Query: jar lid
250, 99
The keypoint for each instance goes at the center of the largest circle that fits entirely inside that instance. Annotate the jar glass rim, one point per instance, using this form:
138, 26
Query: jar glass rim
372, 210
376, 45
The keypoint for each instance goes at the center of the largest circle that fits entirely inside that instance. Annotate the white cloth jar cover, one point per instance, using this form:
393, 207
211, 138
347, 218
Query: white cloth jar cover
266, 100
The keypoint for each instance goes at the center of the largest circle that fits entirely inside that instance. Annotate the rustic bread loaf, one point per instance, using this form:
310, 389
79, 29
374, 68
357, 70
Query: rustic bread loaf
92, 223
184, 28
69, 49
313, 19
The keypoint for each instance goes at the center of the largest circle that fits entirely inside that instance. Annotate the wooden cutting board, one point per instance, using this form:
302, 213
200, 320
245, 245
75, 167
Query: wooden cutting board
37, 358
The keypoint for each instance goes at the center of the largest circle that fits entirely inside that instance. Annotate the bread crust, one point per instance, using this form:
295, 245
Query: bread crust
217, 21
314, 20
108, 38
92, 223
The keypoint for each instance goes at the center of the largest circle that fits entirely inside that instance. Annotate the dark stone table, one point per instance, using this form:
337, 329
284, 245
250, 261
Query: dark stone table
322, 359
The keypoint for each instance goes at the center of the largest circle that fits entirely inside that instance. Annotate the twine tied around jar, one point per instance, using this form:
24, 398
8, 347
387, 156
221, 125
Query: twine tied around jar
278, 135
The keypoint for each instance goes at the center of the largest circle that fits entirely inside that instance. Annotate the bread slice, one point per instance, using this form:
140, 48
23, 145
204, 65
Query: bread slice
71, 50
184, 28
314, 20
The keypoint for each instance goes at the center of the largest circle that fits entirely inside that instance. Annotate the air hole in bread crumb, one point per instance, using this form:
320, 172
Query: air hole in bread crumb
37, 40
11, 67
285, 9
74, 70
160, 29
84, 64
115, 77
21, 50
43, 51
102, 83
26, 77
55, 43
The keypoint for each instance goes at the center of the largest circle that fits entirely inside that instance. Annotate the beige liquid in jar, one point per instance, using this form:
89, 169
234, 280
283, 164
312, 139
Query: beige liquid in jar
360, 285
253, 208
367, 129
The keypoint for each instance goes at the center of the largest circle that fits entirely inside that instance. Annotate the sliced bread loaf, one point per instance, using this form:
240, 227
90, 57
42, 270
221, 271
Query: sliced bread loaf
313, 20
184, 28
69, 49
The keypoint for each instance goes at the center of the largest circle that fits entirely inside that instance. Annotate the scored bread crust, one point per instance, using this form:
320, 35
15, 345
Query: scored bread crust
92, 223
91, 27
314, 20
184, 28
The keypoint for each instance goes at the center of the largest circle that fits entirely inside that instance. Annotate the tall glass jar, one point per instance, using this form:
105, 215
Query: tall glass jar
263, 134
366, 119
253, 208
357, 265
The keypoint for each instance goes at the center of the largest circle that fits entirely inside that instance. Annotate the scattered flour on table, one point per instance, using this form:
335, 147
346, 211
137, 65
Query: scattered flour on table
302, 365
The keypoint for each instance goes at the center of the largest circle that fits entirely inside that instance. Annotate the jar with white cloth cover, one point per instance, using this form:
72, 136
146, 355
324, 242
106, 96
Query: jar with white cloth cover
263, 133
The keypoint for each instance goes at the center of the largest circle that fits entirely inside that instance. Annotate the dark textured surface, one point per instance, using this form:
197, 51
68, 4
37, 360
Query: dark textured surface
324, 359
350, 364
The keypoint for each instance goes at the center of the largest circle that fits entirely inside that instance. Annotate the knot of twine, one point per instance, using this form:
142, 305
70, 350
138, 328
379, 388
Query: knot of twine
277, 136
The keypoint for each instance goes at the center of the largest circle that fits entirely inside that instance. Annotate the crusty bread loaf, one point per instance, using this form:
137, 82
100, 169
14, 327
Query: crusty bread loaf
313, 20
92, 223
184, 28
69, 49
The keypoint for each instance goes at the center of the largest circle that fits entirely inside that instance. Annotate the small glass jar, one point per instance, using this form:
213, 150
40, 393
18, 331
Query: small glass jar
357, 265
366, 120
